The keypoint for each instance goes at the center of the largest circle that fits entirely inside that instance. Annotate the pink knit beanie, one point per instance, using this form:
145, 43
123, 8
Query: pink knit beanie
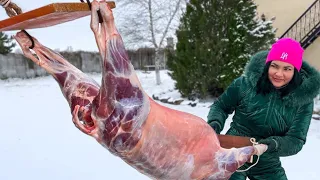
287, 50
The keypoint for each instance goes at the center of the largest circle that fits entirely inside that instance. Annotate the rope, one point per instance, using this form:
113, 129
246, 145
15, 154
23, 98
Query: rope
253, 141
5, 3
13, 10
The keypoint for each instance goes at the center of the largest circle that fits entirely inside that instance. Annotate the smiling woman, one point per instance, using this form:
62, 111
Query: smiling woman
283, 66
273, 102
280, 73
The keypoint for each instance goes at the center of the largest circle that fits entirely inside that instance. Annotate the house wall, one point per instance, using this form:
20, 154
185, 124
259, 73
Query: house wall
286, 13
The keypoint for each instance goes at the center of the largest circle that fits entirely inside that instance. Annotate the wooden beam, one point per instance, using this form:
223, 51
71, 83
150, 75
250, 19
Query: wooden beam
229, 141
49, 15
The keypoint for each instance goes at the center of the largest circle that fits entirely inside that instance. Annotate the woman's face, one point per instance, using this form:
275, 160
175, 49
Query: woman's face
280, 73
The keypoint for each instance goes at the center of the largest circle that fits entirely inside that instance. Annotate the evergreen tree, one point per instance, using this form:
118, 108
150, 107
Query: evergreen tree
215, 40
6, 43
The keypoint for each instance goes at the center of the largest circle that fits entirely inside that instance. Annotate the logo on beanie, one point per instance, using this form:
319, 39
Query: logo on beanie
284, 56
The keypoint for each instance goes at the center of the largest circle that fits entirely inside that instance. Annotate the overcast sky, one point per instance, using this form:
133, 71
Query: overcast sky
75, 33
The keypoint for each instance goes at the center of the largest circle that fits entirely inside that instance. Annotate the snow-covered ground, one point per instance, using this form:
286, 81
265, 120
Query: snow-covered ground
39, 141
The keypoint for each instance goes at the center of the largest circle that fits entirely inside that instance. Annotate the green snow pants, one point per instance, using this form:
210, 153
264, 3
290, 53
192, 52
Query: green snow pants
279, 175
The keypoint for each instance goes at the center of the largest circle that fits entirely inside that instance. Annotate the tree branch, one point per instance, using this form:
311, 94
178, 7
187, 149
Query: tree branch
151, 24
169, 23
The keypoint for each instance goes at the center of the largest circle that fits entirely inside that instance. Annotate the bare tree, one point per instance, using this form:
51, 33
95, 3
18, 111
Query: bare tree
149, 22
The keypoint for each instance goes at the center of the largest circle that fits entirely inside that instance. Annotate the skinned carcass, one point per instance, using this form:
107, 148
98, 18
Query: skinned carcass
160, 142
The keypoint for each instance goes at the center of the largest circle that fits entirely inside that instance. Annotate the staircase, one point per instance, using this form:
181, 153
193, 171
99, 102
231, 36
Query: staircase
307, 27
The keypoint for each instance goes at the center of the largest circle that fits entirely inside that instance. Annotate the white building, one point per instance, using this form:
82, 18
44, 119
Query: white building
287, 12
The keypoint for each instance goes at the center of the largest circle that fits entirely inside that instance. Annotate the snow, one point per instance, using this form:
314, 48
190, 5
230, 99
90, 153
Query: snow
39, 141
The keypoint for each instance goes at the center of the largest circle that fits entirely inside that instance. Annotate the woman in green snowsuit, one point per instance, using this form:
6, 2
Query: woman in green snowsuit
273, 102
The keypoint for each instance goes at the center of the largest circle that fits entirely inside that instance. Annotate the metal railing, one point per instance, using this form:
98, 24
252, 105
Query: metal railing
307, 27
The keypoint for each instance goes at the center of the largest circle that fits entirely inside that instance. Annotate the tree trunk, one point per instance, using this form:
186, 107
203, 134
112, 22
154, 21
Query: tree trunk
157, 66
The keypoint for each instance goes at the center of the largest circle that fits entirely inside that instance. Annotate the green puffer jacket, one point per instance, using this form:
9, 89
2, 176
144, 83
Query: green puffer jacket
270, 119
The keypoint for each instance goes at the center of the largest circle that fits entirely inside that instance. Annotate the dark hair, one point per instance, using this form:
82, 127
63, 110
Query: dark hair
264, 86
